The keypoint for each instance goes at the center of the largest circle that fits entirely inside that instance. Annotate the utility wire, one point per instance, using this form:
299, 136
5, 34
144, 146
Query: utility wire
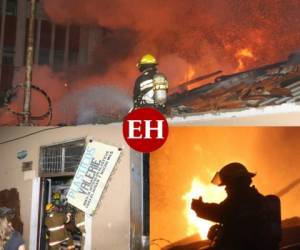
33, 133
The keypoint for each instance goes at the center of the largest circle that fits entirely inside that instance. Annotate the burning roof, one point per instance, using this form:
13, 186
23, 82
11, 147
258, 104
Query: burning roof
264, 86
290, 238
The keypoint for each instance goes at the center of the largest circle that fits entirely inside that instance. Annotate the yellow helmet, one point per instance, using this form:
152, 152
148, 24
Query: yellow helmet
147, 59
56, 196
49, 207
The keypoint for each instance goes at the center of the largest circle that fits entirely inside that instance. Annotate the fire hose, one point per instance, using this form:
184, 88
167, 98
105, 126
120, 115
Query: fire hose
11, 92
288, 188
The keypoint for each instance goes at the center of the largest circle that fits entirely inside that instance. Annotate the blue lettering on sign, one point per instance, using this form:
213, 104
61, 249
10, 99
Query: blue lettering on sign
82, 168
71, 194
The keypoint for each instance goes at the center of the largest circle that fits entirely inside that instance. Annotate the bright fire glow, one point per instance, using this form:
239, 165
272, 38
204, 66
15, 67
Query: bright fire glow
190, 73
243, 54
209, 193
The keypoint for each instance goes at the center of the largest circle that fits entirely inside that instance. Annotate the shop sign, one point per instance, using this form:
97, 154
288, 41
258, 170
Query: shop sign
92, 176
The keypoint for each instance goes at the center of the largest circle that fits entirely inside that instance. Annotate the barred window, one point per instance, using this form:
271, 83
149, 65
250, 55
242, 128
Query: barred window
61, 158
11, 7
8, 56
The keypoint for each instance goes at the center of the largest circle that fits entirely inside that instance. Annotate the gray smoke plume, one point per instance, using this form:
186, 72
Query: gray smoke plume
96, 104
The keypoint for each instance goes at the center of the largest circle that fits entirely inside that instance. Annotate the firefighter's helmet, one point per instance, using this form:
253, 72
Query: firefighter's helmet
231, 172
49, 207
56, 196
147, 59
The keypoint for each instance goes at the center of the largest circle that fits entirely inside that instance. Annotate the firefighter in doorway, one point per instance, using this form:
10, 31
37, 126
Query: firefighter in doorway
151, 87
247, 219
80, 223
75, 225
57, 235
56, 200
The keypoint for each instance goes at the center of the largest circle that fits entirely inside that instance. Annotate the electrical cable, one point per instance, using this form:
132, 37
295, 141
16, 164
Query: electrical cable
9, 93
33, 133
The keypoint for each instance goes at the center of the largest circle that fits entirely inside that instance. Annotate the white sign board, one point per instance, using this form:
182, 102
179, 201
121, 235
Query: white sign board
94, 170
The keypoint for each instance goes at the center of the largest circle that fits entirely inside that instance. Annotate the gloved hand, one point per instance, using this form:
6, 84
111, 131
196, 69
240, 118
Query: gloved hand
196, 203
68, 218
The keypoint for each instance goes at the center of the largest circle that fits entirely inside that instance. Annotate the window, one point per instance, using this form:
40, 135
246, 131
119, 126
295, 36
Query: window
73, 57
58, 59
11, 7
8, 56
61, 158
44, 56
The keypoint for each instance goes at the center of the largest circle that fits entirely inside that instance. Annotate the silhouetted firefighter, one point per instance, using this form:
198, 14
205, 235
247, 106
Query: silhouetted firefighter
247, 219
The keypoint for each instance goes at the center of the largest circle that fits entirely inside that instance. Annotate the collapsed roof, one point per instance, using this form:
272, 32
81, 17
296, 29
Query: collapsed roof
269, 85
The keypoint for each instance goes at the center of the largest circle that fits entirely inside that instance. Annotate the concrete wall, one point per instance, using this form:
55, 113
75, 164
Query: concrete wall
287, 114
111, 223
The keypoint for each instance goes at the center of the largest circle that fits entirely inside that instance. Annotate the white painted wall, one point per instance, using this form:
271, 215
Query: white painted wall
110, 225
287, 114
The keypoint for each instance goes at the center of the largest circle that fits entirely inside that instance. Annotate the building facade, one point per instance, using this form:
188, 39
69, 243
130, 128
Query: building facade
55, 45
45, 158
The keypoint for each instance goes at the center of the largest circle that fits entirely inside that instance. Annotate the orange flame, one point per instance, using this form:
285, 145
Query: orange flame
190, 73
243, 54
210, 193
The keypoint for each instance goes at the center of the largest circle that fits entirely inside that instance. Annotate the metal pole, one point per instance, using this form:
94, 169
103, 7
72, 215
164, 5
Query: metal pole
29, 63
3, 16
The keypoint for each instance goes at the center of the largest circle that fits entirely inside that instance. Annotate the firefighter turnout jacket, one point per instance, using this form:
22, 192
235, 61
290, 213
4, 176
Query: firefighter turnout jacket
76, 227
144, 89
58, 237
80, 224
249, 221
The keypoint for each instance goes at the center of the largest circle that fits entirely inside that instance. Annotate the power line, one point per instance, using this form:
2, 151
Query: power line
33, 133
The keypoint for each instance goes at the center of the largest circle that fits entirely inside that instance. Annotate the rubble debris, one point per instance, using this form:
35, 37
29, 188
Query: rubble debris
268, 85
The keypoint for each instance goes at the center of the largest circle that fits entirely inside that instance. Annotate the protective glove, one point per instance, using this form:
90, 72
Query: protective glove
196, 203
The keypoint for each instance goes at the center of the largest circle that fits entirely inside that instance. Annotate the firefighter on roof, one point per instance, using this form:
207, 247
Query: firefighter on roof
57, 236
151, 87
247, 219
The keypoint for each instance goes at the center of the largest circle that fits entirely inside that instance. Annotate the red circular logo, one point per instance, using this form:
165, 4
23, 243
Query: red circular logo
145, 129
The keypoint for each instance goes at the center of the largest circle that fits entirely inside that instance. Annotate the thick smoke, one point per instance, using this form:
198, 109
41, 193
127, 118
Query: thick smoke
206, 33
204, 36
108, 53
87, 100
43, 77
96, 104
